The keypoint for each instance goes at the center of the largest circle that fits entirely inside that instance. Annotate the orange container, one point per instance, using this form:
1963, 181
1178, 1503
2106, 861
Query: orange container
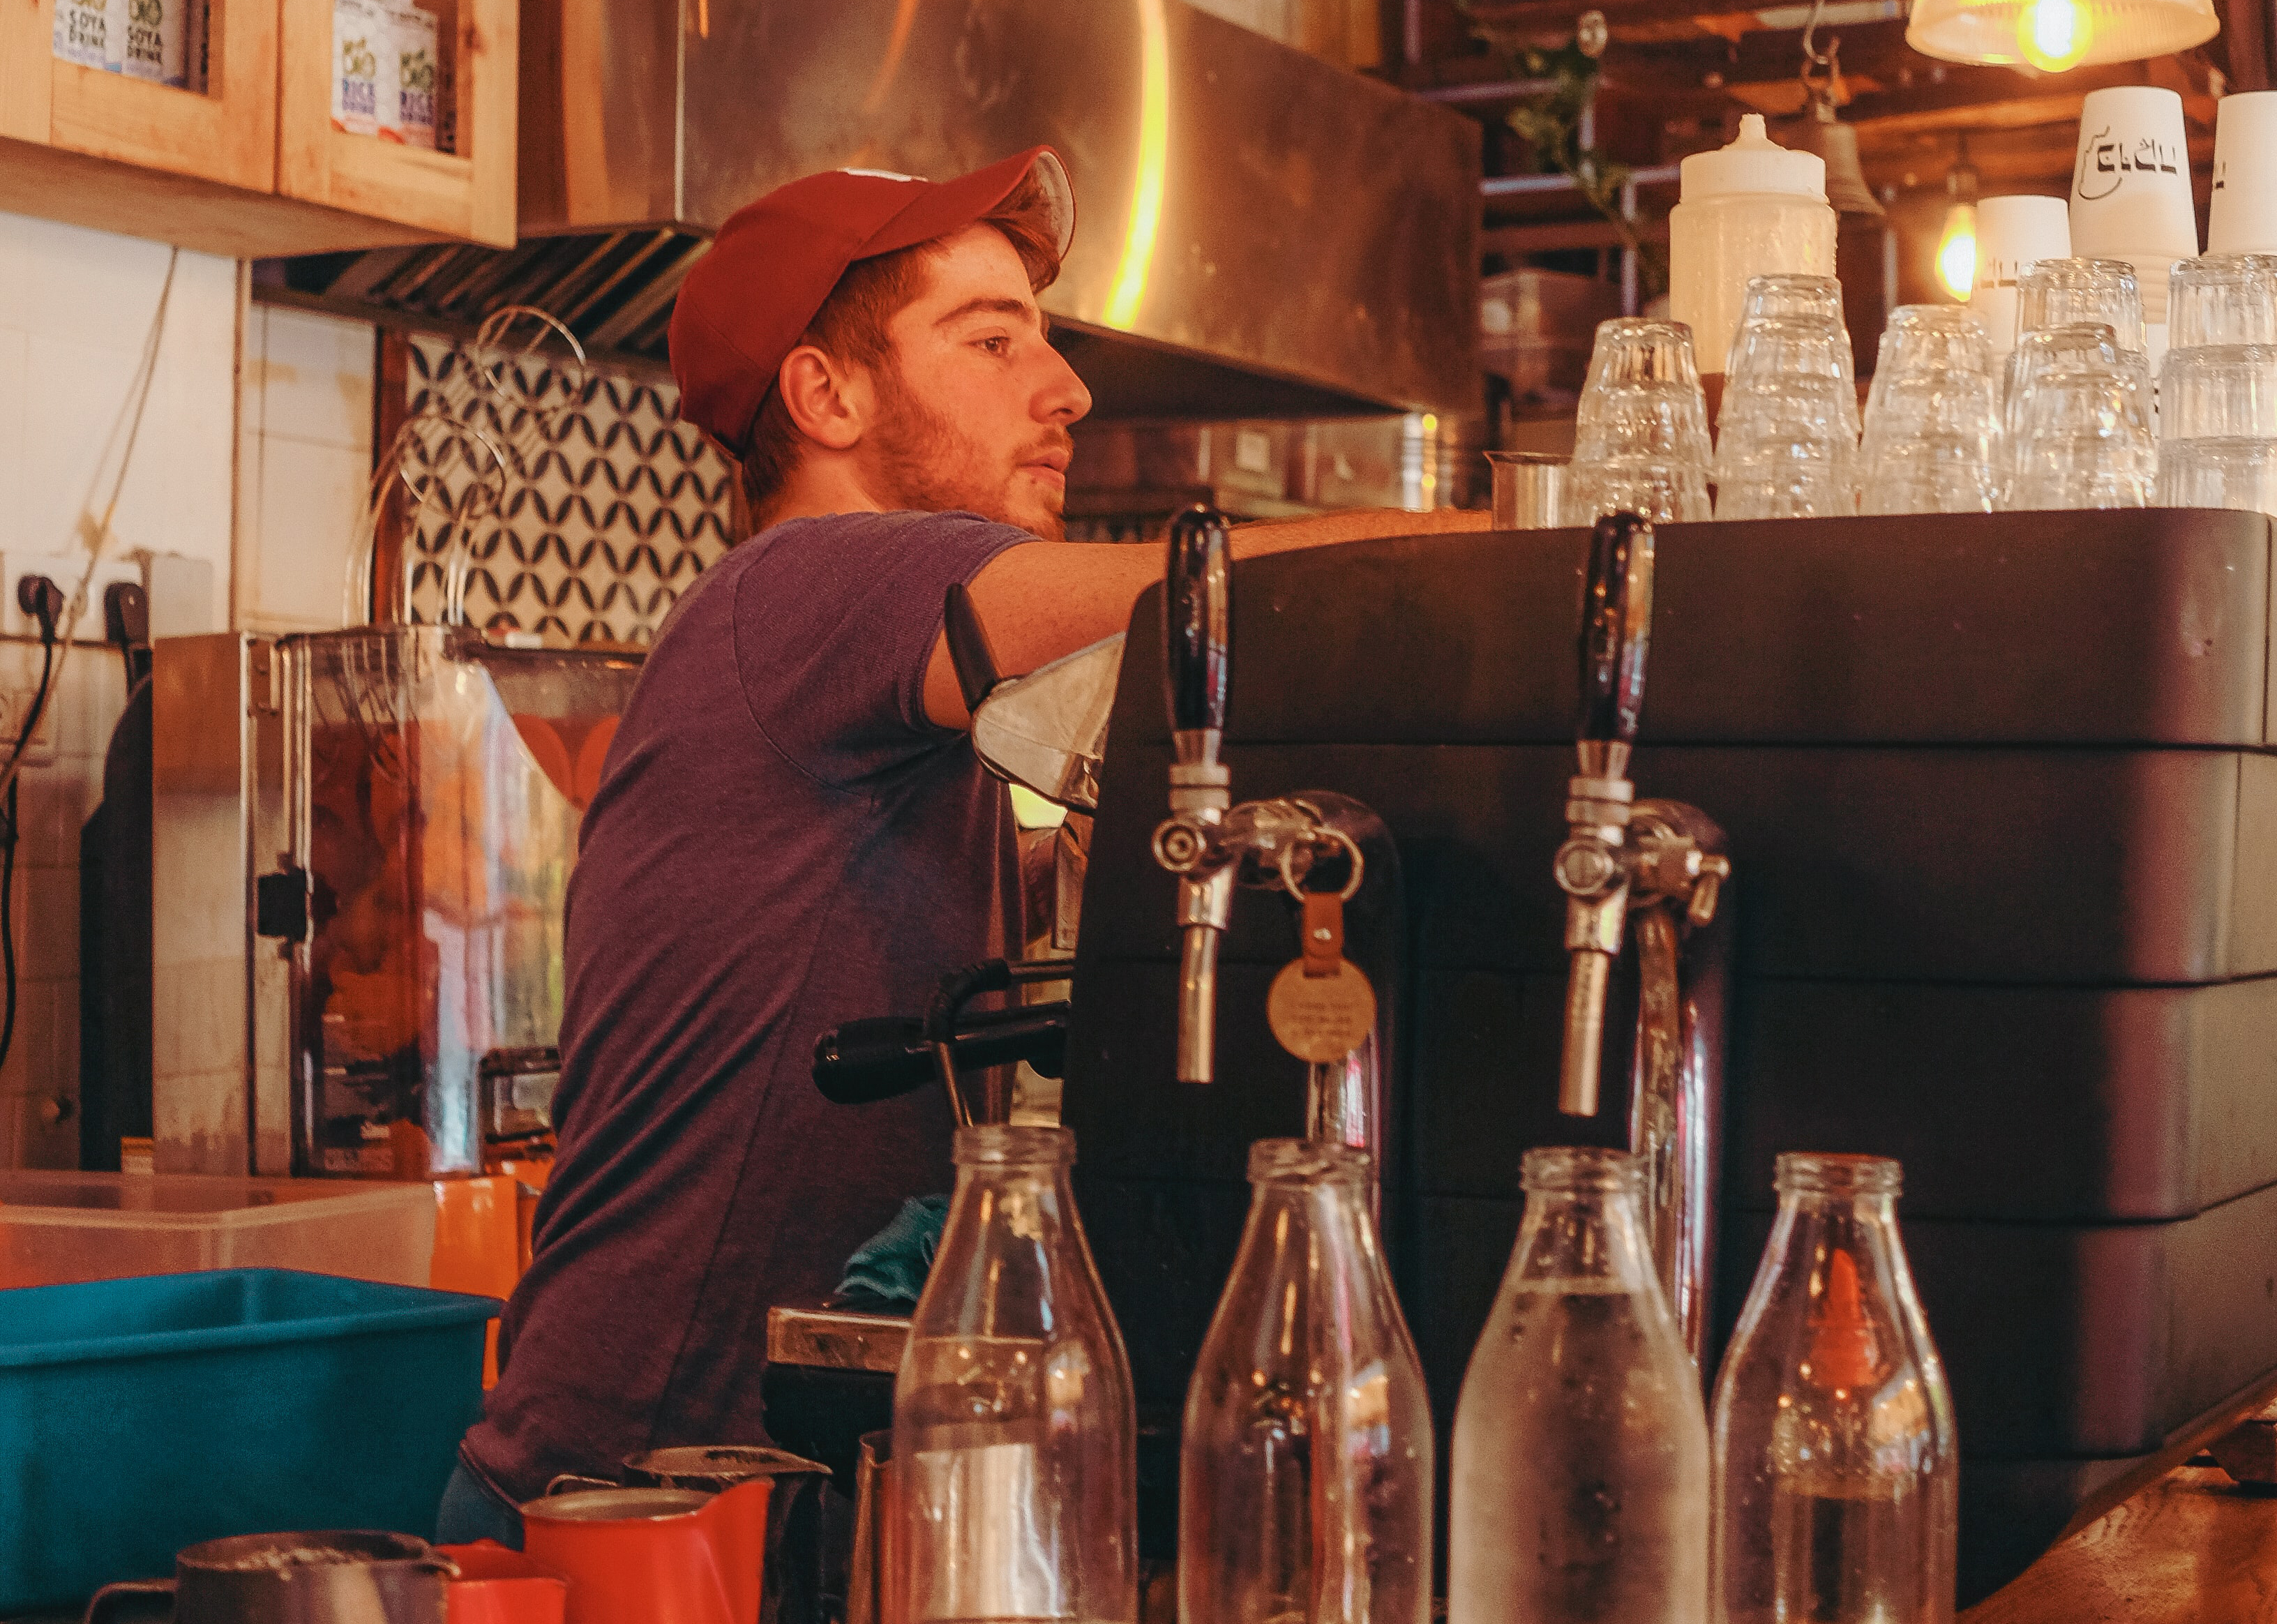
499, 1586
478, 1245
654, 1556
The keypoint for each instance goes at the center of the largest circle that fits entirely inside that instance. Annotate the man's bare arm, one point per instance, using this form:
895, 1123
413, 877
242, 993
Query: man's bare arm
1042, 602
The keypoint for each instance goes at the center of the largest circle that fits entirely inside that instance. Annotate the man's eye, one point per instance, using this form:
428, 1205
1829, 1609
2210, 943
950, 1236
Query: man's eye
997, 345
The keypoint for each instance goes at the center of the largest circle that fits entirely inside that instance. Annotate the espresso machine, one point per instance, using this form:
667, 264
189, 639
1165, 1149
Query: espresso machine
2002, 790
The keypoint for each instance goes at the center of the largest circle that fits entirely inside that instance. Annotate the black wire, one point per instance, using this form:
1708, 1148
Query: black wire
8, 837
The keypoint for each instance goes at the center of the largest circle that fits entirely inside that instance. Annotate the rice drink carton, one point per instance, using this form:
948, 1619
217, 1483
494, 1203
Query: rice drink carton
157, 41
360, 42
409, 115
91, 33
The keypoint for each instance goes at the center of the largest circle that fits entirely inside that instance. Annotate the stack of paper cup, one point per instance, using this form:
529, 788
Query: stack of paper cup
2131, 187
2013, 235
2243, 215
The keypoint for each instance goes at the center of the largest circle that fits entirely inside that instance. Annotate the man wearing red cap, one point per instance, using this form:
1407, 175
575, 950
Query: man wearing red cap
792, 830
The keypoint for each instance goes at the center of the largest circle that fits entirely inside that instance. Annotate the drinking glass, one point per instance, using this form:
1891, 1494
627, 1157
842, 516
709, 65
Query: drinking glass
1790, 293
1642, 397
2219, 391
2218, 473
2222, 299
2058, 293
1641, 434
1931, 429
2054, 348
2077, 438
1787, 435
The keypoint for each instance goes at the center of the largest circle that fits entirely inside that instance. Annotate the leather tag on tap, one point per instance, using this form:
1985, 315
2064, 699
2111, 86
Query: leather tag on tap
1321, 1007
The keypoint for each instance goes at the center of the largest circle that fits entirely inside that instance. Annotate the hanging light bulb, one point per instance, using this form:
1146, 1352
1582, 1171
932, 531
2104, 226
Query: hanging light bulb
2055, 34
1956, 244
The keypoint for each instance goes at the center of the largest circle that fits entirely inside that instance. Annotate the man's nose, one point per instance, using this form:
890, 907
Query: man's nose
1062, 399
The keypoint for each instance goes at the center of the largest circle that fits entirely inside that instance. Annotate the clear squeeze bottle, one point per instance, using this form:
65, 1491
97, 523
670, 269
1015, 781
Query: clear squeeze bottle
1580, 1488
1750, 208
1836, 1465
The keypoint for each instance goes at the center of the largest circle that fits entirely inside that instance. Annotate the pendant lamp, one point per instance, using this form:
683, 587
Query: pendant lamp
2056, 34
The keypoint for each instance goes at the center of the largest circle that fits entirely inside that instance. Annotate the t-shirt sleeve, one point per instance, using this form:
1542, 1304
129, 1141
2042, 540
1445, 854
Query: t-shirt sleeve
835, 623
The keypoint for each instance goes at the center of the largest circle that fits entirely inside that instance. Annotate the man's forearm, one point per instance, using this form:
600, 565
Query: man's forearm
1359, 524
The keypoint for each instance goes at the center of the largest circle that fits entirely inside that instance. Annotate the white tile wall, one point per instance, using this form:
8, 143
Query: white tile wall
76, 309
304, 466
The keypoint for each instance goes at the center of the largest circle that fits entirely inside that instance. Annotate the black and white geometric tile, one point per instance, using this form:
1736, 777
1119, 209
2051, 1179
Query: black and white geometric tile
611, 504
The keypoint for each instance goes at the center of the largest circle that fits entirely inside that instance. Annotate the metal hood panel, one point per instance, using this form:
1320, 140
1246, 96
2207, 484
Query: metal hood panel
1256, 230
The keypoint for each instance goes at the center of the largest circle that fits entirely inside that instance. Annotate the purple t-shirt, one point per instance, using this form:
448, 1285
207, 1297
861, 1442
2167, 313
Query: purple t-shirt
780, 842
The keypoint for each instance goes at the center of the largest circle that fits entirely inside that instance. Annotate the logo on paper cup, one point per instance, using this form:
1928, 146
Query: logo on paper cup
2105, 160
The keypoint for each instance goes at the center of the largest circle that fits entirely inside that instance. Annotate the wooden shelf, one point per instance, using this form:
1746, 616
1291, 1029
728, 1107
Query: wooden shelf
252, 167
467, 194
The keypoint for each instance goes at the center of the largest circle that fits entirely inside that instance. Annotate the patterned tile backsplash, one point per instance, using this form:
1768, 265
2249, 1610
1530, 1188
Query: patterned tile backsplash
612, 505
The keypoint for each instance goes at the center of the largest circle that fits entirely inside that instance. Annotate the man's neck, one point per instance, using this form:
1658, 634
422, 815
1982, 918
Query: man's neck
812, 492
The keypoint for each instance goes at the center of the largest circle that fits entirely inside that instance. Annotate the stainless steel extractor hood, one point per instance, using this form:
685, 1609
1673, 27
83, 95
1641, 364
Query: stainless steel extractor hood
1259, 233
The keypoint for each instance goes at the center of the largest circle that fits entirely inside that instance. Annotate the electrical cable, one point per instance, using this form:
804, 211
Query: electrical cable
51, 674
45, 612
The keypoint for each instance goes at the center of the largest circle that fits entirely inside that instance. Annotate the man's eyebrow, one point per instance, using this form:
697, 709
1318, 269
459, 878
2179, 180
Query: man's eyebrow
996, 307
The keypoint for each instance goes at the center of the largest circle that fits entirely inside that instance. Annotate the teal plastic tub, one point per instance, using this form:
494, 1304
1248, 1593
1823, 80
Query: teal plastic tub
138, 1416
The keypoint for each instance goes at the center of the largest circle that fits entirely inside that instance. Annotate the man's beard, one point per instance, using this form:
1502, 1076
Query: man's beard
923, 464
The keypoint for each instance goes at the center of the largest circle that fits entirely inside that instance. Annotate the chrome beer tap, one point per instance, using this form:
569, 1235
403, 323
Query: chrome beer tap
1658, 865
1197, 676
1313, 842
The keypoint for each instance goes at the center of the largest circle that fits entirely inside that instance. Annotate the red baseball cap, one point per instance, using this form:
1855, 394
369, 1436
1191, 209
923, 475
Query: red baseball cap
773, 264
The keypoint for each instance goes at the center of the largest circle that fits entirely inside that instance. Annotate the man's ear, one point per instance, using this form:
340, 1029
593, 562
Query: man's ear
827, 401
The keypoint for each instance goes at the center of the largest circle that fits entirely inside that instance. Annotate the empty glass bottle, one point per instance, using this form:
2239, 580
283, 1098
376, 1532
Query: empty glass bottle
1836, 1463
1013, 1440
1580, 1489
1304, 1473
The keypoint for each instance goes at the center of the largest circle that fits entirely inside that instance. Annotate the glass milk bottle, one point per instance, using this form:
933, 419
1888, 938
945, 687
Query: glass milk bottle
1579, 1488
1835, 1461
1014, 1438
1304, 1471
1751, 208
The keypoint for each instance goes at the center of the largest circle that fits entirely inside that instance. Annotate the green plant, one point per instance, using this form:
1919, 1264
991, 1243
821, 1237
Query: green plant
1550, 124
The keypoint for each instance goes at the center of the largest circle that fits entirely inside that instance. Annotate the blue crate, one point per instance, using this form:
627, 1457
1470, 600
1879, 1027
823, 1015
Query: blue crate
138, 1416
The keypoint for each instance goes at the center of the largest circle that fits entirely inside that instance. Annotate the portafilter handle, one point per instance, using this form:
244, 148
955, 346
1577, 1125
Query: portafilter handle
1592, 865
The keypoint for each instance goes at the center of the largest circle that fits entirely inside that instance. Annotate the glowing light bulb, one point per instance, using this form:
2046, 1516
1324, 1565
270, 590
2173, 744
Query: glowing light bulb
1956, 251
2054, 35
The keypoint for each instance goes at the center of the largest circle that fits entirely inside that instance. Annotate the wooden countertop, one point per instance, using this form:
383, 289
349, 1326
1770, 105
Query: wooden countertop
2192, 1548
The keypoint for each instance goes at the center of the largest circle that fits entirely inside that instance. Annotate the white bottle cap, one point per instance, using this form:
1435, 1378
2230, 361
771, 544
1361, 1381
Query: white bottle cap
1754, 163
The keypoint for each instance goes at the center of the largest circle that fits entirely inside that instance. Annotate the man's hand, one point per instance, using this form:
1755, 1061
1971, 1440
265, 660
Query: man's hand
1043, 601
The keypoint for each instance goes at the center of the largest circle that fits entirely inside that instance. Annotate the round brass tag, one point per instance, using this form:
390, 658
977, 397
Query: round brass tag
1320, 1018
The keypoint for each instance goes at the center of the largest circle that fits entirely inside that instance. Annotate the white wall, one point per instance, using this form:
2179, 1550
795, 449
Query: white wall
305, 466
75, 308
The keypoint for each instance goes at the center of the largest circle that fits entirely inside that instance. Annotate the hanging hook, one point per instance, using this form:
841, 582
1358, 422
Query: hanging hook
1810, 32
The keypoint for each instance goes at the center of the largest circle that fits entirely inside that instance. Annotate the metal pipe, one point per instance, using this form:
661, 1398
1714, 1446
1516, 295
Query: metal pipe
1577, 1074
1197, 1001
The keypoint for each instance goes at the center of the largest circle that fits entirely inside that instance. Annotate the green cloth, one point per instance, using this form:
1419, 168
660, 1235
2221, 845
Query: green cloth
891, 1266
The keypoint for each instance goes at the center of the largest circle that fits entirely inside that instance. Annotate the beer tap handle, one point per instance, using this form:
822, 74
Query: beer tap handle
1196, 624
1616, 636
1592, 865
1197, 680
